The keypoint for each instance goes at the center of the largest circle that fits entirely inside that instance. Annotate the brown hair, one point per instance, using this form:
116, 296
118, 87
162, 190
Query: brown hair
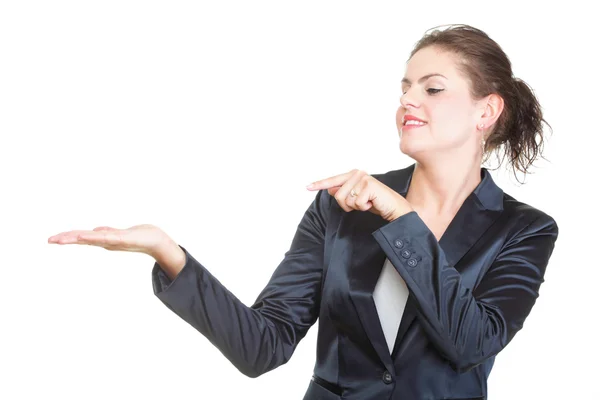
518, 131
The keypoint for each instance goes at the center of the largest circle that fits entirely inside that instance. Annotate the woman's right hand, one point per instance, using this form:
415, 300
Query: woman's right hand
144, 238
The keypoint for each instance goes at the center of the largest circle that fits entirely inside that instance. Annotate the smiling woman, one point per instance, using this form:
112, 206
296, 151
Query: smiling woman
416, 296
462, 79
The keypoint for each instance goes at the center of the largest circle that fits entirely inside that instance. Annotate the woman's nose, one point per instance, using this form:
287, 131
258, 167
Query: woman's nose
409, 100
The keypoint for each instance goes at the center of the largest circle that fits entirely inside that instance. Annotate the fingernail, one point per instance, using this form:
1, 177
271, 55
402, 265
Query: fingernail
310, 186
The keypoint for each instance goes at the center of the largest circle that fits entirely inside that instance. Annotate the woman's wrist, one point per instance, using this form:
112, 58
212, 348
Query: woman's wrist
170, 257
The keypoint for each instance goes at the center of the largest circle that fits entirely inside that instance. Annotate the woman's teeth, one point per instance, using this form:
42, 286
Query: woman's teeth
413, 122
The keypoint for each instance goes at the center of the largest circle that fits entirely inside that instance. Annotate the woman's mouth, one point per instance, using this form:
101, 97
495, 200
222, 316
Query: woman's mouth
412, 124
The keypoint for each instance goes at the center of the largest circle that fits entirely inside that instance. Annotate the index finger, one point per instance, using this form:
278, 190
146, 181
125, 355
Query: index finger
334, 181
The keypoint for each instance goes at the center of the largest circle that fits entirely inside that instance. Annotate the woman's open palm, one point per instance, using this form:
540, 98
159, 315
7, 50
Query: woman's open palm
139, 238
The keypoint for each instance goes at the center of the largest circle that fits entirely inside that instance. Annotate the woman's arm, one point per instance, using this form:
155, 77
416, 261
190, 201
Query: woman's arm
262, 337
466, 326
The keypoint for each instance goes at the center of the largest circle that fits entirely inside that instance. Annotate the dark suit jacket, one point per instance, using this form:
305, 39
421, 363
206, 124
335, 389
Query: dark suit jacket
469, 294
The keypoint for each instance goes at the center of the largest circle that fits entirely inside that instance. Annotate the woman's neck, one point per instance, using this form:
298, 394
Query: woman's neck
442, 188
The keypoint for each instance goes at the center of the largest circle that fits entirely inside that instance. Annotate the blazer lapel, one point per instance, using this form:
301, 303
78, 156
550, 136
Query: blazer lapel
364, 270
366, 265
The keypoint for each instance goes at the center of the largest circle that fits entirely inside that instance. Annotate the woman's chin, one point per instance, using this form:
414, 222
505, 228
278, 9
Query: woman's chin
411, 147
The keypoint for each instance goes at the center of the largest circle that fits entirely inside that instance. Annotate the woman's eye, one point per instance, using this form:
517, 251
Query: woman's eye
434, 91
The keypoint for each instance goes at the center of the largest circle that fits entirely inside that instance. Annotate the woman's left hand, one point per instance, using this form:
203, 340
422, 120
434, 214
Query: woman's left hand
357, 190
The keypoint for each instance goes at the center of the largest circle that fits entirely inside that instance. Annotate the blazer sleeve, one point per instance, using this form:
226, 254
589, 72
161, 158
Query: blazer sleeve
261, 337
468, 327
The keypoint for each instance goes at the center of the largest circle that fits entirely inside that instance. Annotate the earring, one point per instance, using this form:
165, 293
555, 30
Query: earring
483, 145
481, 126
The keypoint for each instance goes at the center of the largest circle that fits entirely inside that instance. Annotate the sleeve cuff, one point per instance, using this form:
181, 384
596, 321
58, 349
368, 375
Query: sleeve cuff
161, 282
401, 238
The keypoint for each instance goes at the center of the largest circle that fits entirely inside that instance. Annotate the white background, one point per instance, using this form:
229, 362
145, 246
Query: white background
208, 120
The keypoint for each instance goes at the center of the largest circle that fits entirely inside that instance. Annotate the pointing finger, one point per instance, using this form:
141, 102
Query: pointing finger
337, 180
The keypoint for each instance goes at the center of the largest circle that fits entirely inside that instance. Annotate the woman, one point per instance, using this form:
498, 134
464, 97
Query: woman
418, 276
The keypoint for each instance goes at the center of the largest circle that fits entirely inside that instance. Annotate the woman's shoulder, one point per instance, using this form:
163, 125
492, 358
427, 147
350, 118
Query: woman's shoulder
525, 217
520, 209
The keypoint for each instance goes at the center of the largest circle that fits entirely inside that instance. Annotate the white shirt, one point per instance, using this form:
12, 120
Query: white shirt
390, 297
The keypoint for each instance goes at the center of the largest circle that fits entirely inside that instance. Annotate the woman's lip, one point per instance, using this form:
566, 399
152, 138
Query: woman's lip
408, 117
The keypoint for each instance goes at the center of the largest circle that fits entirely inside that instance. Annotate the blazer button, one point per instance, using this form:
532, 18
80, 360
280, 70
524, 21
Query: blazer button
387, 377
405, 253
412, 262
399, 243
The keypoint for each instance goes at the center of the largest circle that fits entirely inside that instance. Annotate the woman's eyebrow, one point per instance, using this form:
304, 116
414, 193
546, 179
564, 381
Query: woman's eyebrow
407, 81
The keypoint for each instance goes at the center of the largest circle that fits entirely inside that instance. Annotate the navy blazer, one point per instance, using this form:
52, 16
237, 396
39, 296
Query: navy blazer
469, 294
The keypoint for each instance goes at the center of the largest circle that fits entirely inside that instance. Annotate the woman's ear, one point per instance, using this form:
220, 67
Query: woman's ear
492, 110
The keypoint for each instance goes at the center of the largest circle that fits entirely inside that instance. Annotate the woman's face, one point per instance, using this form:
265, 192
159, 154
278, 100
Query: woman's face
436, 93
